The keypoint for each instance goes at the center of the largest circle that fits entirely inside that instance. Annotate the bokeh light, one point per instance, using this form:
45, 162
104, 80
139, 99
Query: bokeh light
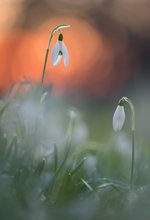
92, 69
106, 44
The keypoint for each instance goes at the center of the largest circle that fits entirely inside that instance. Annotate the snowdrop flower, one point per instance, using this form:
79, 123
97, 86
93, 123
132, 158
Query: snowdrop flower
59, 51
119, 117
118, 121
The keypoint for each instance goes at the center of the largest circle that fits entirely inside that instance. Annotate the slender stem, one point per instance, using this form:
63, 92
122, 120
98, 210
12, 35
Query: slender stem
47, 50
132, 159
133, 139
46, 57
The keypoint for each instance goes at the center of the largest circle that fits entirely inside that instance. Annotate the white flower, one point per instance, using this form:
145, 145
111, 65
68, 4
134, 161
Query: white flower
59, 51
118, 118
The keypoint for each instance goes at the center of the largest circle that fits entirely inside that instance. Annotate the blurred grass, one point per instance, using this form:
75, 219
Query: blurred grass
48, 170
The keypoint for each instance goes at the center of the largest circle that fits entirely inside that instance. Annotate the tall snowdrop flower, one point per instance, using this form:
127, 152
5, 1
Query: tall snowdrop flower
119, 117
59, 51
118, 121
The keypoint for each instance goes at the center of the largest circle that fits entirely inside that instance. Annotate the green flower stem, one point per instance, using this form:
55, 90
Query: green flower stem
133, 138
48, 47
132, 163
45, 61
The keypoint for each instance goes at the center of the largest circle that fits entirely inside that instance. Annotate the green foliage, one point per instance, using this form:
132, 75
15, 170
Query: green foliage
46, 175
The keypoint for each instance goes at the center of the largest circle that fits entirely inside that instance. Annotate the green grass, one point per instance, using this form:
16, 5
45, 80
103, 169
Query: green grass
48, 171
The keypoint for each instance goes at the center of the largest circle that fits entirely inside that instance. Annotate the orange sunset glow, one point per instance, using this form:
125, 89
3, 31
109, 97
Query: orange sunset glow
92, 66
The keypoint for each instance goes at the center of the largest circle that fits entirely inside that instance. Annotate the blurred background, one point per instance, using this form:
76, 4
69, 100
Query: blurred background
109, 52
108, 44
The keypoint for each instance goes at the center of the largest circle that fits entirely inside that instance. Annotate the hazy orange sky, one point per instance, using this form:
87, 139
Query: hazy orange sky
91, 58
99, 64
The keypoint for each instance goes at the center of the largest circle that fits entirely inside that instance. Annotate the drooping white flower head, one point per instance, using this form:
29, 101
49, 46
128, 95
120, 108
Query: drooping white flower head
118, 118
59, 51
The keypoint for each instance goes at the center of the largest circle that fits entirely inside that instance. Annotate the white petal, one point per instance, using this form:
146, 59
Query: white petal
65, 54
118, 118
55, 52
58, 60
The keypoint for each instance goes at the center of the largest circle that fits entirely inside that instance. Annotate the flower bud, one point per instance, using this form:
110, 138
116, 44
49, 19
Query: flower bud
118, 118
